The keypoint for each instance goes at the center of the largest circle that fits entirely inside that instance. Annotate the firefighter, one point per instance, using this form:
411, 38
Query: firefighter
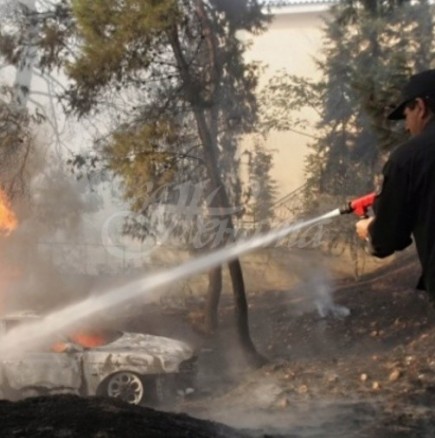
405, 205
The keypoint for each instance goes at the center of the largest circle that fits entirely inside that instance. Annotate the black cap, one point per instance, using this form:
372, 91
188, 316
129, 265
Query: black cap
419, 85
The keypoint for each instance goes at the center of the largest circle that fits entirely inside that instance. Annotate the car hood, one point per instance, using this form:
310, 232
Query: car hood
153, 345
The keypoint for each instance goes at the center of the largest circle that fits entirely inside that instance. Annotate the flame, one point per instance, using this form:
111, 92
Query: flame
85, 339
8, 220
88, 339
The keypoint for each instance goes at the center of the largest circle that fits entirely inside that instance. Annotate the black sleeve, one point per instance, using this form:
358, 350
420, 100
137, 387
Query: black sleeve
391, 229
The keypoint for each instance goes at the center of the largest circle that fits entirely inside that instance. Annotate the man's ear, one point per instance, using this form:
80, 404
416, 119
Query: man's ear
423, 109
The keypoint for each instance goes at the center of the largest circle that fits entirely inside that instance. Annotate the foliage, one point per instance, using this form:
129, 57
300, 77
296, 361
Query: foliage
56, 28
177, 62
16, 143
263, 187
147, 67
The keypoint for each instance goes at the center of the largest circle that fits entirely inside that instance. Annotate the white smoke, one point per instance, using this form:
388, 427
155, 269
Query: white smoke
321, 285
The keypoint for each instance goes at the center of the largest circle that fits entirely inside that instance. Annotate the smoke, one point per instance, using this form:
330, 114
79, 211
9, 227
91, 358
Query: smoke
35, 272
7, 9
311, 286
322, 288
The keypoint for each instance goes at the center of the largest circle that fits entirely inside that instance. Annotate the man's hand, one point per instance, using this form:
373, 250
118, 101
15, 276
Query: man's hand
362, 228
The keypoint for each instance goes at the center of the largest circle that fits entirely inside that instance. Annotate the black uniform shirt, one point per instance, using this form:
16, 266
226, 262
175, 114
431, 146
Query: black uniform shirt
405, 205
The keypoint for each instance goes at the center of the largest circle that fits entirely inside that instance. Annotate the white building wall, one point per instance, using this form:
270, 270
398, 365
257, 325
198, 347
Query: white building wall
293, 40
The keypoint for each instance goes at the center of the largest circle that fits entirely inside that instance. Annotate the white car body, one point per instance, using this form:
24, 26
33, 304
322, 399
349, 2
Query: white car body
84, 371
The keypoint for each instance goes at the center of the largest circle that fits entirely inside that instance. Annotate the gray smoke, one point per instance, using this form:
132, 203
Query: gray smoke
36, 273
321, 285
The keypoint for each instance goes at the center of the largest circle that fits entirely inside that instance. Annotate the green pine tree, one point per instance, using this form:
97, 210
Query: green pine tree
263, 188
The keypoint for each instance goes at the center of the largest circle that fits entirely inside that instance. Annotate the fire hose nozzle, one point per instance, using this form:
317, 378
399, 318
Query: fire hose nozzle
359, 206
346, 209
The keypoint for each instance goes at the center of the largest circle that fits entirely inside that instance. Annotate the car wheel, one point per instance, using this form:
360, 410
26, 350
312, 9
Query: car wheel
126, 386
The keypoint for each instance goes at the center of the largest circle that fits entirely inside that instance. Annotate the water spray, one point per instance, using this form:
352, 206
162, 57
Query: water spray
26, 336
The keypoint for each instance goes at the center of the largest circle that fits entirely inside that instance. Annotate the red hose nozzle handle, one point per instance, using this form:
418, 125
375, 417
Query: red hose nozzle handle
359, 206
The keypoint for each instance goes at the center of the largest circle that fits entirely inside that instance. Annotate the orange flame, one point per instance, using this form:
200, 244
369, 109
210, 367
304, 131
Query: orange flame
88, 339
8, 220
85, 339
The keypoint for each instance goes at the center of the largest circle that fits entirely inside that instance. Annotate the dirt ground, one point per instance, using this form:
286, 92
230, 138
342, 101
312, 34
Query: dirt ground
347, 359
369, 373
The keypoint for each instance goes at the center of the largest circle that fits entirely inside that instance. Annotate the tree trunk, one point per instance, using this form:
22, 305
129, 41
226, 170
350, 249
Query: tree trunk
213, 297
242, 317
211, 153
238, 285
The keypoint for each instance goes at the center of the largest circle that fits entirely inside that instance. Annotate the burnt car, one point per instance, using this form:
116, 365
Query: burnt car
137, 368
